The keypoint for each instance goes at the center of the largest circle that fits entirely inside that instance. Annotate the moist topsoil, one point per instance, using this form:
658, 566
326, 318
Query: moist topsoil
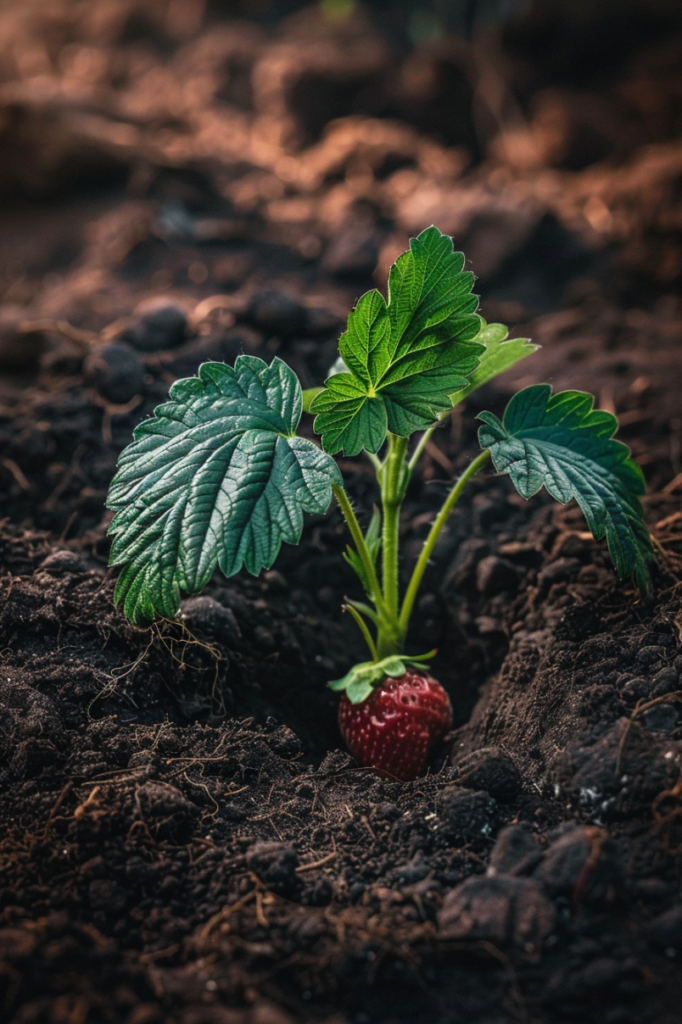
183, 837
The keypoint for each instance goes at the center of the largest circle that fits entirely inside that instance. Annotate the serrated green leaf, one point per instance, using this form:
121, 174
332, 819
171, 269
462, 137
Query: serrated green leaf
362, 679
216, 476
404, 357
560, 442
501, 353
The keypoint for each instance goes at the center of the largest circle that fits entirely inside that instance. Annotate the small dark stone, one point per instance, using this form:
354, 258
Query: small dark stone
649, 656
491, 770
666, 929
115, 371
504, 910
465, 816
356, 891
634, 687
408, 874
495, 575
59, 562
208, 618
665, 681
162, 325
387, 812
275, 864
581, 865
660, 718
515, 852
276, 313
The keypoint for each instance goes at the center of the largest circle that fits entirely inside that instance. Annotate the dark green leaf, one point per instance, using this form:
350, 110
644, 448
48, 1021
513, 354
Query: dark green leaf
216, 477
406, 357
500, 354
562, 443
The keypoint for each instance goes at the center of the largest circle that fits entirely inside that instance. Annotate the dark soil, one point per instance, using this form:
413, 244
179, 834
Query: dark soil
183, 840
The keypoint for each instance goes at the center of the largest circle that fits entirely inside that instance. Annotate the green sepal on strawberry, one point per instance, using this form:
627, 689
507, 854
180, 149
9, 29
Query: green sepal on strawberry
398, 725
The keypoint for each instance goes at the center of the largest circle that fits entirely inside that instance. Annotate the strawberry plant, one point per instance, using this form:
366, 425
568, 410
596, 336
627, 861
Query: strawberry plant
218, 476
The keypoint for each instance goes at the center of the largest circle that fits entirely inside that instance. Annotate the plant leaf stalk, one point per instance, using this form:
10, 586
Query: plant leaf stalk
429, 544
392, 620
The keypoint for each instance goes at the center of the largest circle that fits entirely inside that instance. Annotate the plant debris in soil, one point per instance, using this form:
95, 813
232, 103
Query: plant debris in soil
182, 838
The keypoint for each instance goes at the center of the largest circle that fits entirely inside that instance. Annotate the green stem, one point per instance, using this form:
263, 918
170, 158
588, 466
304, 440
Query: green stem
363, 629
360, 545
428, 434
434, 533
364, 609
423, 441
392, 498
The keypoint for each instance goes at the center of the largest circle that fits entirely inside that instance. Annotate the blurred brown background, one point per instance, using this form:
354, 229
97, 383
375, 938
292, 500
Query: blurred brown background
254, 166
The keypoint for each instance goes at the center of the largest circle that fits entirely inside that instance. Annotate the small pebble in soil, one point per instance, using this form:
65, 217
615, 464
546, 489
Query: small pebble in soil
515, 852
571, 869
504, 910
115, 371
208, 618
276, 313
60, 562
664, 682
661, 718
161, 324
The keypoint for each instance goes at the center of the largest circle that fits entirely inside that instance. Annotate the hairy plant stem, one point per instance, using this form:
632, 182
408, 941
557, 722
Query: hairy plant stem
361, 546
390, 620
423, 441
434, 533
393, 481
428, 434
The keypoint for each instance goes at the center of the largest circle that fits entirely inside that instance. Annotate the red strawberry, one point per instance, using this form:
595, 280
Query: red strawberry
398, 726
